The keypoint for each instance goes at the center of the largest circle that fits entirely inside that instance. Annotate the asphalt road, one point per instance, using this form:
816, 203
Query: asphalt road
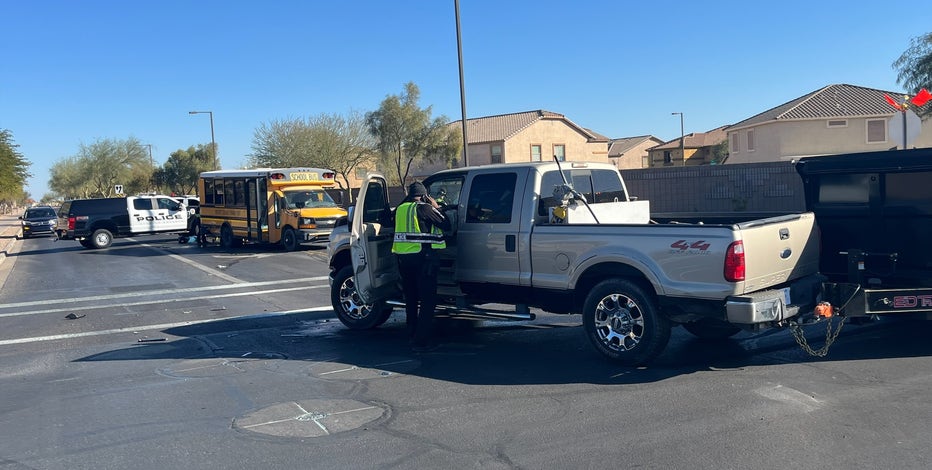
154, 354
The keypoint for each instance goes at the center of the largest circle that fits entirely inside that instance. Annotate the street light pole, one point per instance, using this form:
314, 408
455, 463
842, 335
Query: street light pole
152, 165
213, 143
682, 137
459, 51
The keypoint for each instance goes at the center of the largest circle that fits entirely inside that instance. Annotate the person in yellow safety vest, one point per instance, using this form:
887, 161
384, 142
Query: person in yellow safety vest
418, 232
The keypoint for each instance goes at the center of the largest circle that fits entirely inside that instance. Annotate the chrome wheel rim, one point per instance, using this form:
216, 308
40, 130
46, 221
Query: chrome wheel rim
349, 300
619, 322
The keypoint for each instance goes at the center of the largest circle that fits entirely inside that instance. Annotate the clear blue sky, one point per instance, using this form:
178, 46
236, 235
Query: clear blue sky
74, 72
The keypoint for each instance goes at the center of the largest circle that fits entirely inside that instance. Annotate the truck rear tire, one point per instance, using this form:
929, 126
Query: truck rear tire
711, 329
623, 322
350, 309
101, 238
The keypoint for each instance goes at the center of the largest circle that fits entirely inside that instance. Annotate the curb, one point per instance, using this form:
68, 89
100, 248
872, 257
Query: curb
8, 236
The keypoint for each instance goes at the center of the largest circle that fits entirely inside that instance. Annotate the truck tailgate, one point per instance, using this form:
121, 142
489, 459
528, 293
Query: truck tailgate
779, 249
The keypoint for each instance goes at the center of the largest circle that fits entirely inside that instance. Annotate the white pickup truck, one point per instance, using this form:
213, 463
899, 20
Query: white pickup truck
570, 240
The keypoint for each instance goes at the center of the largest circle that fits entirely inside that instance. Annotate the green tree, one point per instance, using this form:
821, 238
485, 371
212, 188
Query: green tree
343, 144
719, 153
69, 178
98, 168
180, 173
404, 133
14, 170
332, 141
915, 68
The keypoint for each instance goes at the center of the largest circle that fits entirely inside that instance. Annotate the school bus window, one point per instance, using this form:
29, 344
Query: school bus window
218, 192
239, 192
228, 198
208, 191
300, 198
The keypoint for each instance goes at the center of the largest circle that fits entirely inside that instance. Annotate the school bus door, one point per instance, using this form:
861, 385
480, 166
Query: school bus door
256, 217
275, 208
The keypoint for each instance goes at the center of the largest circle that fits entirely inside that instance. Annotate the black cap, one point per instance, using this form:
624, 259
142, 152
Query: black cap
416, 189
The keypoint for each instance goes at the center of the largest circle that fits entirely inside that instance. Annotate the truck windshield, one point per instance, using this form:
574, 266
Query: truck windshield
296, 199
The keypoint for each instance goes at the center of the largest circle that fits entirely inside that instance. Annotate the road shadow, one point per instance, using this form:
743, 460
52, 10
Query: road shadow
552, 351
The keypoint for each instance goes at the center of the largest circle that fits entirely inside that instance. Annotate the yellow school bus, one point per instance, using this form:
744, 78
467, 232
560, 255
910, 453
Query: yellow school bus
287, 206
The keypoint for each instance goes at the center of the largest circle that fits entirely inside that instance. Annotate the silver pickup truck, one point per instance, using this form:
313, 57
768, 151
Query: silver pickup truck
571, 240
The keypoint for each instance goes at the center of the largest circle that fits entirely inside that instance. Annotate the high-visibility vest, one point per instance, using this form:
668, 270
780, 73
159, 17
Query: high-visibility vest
408, 235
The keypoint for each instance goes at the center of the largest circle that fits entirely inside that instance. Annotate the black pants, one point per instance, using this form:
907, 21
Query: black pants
419, 284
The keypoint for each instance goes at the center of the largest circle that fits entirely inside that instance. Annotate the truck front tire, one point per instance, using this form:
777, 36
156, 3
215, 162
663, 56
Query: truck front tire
623, 322
350, 309
289, 239
101, 238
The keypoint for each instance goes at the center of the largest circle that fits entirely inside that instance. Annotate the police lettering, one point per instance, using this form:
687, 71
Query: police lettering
152, 218
912, 301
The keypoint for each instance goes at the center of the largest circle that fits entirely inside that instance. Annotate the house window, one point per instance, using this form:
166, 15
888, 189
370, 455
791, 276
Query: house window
559, 151
361, 172
535, 153
734, 143
751, 140
667, 157
496, 154
837, 123
876, 131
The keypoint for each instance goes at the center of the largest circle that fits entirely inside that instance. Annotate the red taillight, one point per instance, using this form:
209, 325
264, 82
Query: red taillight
329, 176
277, 176
70, 223
734, 262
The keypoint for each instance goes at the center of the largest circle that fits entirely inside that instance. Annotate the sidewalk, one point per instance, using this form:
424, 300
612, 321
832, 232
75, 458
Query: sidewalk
9, 231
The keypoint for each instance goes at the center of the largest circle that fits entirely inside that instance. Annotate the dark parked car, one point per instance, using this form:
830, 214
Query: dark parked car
38, 220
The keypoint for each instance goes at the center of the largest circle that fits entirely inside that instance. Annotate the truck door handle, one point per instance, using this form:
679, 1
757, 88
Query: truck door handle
784, 233
510, 244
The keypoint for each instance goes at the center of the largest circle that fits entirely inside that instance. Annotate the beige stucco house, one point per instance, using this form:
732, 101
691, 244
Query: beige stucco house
696, 149
632, 152
525, 137
835, 119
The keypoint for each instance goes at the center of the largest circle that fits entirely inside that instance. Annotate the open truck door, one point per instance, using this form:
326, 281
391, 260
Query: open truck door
371, 236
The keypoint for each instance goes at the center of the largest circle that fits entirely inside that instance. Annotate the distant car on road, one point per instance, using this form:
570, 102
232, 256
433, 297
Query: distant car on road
38, 220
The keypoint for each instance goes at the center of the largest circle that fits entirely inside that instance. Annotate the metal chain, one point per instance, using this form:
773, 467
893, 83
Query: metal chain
830, 336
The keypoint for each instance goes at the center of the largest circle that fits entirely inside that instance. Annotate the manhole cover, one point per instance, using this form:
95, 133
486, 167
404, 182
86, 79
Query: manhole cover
309, 418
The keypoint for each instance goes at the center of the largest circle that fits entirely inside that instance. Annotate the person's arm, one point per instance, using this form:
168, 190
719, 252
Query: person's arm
433, 215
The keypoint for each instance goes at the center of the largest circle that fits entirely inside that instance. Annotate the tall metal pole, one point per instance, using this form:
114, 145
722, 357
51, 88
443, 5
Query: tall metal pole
459, 50
151, 164
682, 139
213, 143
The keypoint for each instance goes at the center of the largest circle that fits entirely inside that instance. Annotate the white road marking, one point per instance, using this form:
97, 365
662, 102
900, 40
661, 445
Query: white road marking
157, 301
162, 326
193, 264
157, 292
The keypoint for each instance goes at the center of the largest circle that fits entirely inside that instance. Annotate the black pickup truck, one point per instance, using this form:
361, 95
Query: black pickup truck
95, 222
874, 211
